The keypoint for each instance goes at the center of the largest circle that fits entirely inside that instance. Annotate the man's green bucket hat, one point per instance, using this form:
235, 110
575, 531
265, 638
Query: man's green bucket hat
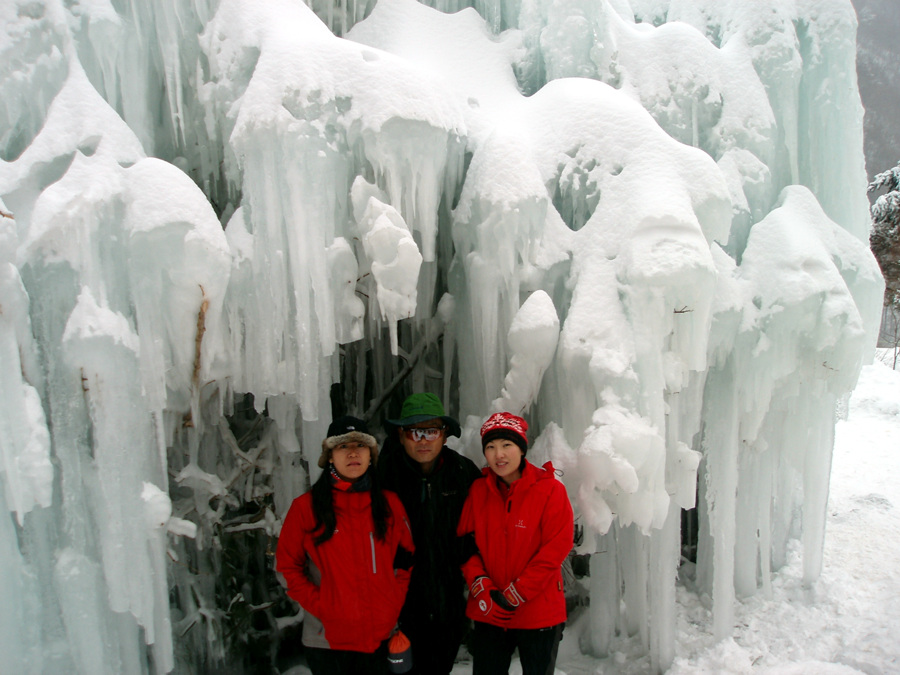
421, 408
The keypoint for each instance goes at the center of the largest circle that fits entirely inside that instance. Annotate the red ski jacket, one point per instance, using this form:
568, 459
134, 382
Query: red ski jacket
359, 593
523, 539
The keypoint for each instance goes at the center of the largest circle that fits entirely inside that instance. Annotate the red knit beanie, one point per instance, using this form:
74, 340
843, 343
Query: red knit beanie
505, 425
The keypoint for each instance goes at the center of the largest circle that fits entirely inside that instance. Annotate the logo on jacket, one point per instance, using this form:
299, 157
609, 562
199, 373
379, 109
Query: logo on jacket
521, 523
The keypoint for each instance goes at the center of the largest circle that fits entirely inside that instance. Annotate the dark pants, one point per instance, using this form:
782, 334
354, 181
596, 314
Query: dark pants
339, 662
493, 647
434, 644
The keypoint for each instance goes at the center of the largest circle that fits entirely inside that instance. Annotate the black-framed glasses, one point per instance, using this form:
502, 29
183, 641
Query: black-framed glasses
430, 434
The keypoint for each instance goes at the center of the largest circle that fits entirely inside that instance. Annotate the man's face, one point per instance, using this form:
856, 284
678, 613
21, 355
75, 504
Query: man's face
423, 442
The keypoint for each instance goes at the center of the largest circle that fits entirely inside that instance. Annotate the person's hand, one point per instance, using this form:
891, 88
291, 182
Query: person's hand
491, 601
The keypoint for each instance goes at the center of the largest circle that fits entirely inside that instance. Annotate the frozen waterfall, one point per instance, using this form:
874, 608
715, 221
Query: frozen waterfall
642, 224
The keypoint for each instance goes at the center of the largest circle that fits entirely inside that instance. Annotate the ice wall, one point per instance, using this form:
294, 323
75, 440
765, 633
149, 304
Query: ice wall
641, 224
122, 259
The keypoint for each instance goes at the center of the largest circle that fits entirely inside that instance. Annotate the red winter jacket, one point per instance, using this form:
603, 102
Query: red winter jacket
524, 539
359, 596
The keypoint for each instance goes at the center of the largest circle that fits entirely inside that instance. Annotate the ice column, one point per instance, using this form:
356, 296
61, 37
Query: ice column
392, 253
24, 437
532, 342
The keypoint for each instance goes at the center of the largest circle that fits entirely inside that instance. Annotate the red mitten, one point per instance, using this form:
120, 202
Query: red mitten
491, 601
512, 596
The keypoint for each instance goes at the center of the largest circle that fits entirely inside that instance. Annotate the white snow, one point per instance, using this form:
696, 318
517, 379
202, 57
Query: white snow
533, 336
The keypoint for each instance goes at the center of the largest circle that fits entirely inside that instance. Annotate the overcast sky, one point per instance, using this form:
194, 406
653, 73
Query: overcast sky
878, 66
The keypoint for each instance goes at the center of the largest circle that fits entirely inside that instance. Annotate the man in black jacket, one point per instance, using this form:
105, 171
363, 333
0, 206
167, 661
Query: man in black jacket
432, 481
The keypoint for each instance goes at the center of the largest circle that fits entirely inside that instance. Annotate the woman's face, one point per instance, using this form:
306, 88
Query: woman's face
505, 459
351, 460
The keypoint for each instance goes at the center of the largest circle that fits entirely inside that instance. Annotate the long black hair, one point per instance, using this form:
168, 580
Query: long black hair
323, 506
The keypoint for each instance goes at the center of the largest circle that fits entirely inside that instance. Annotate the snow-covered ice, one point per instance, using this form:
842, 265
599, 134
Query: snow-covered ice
846, 621
642, 223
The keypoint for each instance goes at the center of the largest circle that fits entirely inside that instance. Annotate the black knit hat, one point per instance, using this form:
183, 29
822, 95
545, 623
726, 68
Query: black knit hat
346, 429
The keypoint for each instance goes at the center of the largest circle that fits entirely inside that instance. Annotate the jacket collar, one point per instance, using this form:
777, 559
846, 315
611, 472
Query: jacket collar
530, 474
364, 483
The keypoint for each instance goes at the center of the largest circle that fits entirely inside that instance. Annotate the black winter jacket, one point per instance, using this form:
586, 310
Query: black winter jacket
433, 505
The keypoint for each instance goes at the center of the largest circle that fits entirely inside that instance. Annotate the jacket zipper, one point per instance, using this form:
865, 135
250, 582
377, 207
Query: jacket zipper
372, 545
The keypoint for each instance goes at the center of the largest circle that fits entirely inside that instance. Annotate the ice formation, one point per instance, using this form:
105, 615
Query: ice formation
642, 223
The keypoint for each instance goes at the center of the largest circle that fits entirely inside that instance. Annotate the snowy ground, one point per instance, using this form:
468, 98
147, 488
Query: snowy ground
849, 622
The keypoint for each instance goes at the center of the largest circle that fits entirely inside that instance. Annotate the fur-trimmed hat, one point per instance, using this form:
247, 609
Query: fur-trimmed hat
347, 429
505, 425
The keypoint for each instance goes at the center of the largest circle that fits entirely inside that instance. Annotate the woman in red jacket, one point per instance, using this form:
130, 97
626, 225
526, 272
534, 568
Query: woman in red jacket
345, 552
519, 526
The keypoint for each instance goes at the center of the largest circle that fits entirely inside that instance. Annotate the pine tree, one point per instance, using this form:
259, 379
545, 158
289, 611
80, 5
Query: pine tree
885, 237
885, 244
